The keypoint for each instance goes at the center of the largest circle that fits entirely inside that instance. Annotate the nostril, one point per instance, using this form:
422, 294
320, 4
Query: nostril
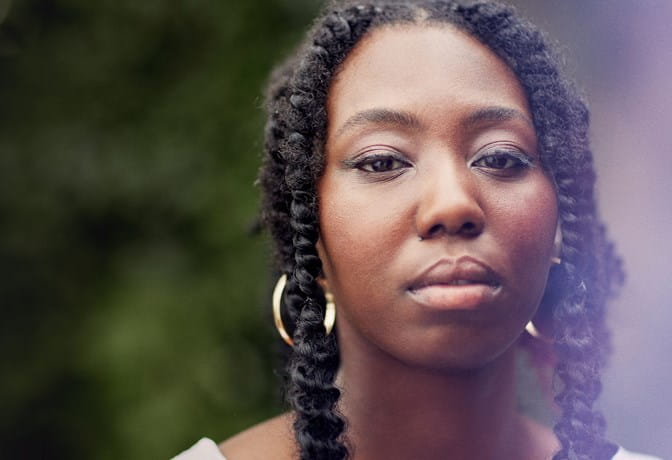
468, 227
436, 229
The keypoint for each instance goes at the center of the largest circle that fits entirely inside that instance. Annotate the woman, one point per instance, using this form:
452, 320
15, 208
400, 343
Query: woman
428, 168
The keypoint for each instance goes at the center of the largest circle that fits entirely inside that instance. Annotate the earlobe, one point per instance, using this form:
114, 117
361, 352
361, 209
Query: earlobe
322, 281
322, 278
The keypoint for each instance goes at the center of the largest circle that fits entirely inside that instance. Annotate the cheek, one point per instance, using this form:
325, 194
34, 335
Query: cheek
358, 232
525, 224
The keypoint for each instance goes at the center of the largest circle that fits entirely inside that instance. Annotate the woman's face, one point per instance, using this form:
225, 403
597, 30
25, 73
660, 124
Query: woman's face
437, 220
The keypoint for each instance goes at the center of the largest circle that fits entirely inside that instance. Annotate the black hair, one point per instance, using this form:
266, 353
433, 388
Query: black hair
576, 291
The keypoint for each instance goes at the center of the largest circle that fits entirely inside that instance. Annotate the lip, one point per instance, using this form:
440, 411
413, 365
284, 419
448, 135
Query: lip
465, 283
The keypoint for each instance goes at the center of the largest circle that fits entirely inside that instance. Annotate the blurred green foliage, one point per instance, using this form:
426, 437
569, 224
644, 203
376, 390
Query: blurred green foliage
133, 294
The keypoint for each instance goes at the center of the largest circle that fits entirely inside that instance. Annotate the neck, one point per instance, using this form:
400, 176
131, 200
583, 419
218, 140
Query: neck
395, 410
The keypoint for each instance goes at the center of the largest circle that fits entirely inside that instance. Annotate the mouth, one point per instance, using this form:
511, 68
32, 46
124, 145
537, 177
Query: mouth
456, 282
462, 284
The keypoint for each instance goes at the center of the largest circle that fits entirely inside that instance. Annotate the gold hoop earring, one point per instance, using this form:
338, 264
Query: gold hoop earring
531, 329
557, 245
329, 314
277, 319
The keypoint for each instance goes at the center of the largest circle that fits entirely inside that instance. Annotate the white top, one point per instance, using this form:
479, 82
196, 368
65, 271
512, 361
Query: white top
206, 449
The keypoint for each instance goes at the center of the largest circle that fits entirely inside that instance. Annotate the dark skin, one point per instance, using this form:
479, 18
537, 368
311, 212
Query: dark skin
437, 230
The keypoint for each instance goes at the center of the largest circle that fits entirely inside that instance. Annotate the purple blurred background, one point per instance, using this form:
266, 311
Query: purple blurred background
620, 52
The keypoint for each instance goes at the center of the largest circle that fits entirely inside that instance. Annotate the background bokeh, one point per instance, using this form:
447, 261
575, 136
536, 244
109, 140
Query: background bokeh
134, 284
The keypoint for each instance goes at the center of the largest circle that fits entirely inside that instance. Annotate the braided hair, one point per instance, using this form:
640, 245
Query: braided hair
576, 292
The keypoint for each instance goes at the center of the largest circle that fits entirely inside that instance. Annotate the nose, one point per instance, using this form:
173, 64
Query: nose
449, 204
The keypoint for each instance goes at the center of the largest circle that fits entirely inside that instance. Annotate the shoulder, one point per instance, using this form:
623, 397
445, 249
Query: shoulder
205, 449
623, 454
273, 438
270, 439
549, 443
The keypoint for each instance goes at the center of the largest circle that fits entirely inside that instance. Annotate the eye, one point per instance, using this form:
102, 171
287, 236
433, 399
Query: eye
380, 164
503, 162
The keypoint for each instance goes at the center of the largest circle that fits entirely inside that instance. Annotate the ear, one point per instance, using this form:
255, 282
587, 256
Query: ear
557, 241
324, 284
322, 279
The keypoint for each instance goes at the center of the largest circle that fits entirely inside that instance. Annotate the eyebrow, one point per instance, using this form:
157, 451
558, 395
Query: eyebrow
496, 114
380, 117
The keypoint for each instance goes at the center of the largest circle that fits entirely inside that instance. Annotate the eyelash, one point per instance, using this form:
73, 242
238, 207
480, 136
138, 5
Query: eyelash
389, 165
385, 166
521, 161
371, 160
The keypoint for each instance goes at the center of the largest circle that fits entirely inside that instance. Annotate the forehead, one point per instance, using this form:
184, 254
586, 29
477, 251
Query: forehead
422, 68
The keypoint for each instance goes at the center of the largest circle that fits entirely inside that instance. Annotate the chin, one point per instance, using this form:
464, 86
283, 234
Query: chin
458, 356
